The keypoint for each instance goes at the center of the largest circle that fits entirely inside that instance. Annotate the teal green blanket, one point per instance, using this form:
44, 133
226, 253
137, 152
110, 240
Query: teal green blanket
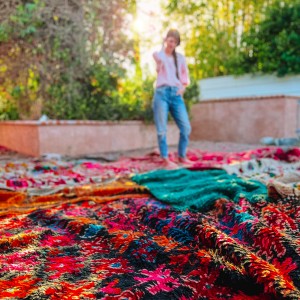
198, 190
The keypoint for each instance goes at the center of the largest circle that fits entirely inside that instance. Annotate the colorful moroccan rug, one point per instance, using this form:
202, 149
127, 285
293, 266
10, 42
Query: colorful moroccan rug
47, 176
220, 233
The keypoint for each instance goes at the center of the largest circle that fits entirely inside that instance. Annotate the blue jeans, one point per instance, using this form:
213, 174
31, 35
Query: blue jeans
166, 100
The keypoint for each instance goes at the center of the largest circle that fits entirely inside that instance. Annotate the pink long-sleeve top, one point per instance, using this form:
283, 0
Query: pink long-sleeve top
166, 70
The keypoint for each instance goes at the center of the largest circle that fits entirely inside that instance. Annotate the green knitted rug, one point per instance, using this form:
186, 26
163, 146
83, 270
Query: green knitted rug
198, 190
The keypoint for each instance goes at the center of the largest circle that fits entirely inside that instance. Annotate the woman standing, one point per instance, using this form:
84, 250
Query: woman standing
172, 79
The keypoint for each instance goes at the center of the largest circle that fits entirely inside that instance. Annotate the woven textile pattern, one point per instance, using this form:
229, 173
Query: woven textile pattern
140, 248
199, 190
40, 176
100, 233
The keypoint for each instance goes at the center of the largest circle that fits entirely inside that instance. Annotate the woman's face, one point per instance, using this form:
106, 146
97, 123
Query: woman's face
171, 43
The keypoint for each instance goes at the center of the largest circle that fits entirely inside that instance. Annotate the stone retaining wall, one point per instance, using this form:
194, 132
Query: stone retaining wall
245, 120
75, 138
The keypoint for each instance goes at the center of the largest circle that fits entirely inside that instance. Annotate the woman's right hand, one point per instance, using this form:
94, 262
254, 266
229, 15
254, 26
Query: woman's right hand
157, 60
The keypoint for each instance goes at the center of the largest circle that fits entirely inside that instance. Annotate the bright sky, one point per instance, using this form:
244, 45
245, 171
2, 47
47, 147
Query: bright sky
149, 26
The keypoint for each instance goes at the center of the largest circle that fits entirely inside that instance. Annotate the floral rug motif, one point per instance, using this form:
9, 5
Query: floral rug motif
213, 232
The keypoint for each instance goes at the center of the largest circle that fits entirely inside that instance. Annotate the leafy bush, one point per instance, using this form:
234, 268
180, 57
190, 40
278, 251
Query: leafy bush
104, 95
54, 62
192, 94
273, 46
8, 111
50, 53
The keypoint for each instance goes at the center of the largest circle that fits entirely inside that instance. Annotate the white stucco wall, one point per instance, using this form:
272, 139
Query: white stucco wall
225, 87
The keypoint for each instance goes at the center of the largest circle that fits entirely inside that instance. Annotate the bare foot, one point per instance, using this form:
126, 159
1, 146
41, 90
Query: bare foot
168, 165
185, 162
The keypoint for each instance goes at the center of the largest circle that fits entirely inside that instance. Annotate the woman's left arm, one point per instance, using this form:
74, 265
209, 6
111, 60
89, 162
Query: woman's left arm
184, 76
184, 73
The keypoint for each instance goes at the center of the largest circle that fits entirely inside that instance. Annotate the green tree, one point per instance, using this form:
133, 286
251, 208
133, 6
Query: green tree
42, 46
51, 51
273, 45
213, 29
68, 59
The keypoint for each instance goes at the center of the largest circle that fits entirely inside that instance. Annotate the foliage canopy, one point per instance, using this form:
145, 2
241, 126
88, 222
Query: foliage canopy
68, 58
